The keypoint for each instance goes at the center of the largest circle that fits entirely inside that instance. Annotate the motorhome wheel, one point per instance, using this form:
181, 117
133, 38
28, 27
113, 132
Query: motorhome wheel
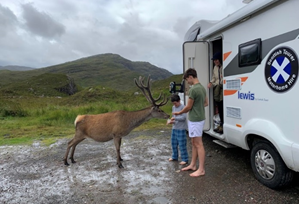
268, 167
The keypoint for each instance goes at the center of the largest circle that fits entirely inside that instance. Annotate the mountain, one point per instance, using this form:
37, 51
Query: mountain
110, 70
16, 68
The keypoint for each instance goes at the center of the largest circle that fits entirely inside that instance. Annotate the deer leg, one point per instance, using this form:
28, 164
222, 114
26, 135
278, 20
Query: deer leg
67, 152
117, 142
73, 149
71, 144
119, 149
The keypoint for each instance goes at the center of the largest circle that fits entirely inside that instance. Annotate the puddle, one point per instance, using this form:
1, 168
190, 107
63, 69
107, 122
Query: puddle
36, 174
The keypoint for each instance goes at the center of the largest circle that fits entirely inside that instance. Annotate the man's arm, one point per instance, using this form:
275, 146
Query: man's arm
206, 101
212, 83
186, 108
181, 117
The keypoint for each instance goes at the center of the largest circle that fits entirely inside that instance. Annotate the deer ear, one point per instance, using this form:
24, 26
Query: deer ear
154, 108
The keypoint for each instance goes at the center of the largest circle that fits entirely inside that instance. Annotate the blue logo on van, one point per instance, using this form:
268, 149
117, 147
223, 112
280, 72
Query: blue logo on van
281, 70
246, 96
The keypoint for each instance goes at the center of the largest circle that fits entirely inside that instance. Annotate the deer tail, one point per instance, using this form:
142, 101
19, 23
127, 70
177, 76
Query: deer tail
78, 119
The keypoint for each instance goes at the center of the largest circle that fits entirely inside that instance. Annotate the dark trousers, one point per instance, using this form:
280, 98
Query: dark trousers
220, 110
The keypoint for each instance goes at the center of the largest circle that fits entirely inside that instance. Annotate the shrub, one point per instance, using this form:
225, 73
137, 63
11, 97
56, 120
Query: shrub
12, 110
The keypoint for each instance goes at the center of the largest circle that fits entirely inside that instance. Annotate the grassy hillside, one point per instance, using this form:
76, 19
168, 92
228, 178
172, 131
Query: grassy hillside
107, 70
27, 116
42, 85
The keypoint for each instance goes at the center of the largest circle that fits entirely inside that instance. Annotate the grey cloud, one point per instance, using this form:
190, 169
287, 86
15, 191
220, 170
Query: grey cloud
8, 20
181, 26
40, 23
138, 40
73, 29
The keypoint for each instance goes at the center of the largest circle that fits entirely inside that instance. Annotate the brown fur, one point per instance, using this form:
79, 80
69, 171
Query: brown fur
115, 125
108, 126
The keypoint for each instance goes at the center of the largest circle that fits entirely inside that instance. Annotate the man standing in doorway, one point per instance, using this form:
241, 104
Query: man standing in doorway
196, 119
217, 84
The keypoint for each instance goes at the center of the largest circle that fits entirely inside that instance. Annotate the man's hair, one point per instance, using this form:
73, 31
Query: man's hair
175, 98
190, 72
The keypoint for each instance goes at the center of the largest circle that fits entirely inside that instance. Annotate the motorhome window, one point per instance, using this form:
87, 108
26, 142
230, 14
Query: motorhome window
250, 53
193, 35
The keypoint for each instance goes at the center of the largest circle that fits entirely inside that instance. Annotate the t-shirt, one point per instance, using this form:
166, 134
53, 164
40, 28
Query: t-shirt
180, 120
198, 93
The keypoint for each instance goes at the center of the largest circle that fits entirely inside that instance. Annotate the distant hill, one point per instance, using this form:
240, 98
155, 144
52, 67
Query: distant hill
58, 85
107, 70
99, 93
15, 68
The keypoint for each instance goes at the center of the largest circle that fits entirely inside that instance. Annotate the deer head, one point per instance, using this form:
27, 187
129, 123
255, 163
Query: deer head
146, 90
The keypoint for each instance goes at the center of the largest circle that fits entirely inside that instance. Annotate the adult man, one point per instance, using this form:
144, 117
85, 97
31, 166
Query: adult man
217, 84
196, 119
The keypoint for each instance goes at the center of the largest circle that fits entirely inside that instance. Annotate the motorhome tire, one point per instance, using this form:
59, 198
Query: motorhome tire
268, 167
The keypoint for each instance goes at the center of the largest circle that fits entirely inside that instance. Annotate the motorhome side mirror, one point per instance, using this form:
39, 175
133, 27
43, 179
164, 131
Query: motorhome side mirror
182, 88
172, 86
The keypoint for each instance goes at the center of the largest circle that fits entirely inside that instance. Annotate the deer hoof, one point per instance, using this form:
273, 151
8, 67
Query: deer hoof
65, 163
73, 161
121, 166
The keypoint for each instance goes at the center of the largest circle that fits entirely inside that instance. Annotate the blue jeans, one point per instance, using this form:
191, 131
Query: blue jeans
179, 138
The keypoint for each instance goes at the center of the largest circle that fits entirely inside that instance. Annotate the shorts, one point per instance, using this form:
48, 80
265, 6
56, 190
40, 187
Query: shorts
195, 128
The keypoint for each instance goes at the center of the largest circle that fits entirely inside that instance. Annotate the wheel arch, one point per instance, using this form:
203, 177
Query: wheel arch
266, 131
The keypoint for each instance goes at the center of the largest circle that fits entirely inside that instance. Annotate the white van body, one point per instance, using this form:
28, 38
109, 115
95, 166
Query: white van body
260, 48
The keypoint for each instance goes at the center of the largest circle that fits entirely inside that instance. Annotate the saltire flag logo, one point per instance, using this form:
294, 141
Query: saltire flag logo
281, 70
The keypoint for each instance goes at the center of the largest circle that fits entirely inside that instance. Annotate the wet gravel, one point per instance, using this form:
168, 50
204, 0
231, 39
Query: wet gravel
36, 174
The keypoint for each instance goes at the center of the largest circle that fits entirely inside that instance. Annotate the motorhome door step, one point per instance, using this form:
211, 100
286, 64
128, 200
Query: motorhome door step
224, 144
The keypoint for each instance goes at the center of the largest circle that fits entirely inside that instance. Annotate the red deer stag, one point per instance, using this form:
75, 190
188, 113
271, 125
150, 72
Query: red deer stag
117, 124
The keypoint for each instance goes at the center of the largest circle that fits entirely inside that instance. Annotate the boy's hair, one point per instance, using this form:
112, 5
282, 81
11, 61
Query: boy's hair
190, 72
175, 98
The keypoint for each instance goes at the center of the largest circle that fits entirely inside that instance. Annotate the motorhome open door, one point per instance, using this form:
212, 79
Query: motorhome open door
196, 55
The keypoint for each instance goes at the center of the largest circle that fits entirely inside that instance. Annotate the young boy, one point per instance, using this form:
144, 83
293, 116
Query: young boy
178, 134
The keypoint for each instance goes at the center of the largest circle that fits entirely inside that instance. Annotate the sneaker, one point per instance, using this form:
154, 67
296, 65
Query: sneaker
216, 129
220, 130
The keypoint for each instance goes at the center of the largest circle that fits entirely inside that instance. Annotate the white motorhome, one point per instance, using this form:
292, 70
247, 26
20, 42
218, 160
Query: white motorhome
260, 48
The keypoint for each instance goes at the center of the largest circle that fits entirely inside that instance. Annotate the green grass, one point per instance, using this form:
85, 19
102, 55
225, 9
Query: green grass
34, 105
44, 85
26, 119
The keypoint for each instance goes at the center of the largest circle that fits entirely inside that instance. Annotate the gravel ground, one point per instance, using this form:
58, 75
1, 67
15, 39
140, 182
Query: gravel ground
36, 174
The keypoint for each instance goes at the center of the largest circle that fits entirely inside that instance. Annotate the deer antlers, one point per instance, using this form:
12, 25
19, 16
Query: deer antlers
148, 95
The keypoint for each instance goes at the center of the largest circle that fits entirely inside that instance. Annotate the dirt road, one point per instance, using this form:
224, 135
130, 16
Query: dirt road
36, 174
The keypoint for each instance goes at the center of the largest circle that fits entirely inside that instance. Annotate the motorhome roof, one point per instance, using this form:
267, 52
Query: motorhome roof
239, 15
198, 27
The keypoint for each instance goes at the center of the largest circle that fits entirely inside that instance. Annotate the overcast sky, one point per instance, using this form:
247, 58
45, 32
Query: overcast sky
41, 33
